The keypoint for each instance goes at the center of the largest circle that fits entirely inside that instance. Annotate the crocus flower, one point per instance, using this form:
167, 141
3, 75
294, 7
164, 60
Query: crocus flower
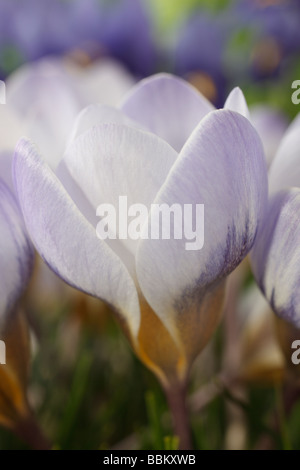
273, 34
47, 96
275, 253
271, 125
261, 357
166, 144
16, 260
42, 101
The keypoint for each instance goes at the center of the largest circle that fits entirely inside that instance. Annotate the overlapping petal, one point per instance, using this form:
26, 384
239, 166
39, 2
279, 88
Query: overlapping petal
236, 102
97, 114
285, 169
271, 126
104, 81
221, 166
113, 160
66, 240
276, 255
167, 106
16, 252
46, 102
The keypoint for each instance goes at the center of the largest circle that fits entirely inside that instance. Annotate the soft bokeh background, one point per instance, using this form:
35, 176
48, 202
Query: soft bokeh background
86, 386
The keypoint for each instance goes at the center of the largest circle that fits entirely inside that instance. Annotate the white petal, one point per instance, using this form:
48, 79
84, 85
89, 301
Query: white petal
221, 166
16, 252
271, 126
285, 169
66, 241
276, 255
167, 106
114, 160
236, 101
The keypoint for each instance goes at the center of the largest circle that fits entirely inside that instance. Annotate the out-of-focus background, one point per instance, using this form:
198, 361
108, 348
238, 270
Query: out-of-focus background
87, 388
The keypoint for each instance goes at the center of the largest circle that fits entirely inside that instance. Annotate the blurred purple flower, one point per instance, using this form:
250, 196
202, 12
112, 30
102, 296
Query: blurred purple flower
275, 31
168, 145
200, 50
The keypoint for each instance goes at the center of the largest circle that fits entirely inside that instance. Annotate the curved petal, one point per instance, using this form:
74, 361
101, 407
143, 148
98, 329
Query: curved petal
167, 106
85, 207
114, 160
221, 166
11, 129
16, 252
276, 253
66, 241
104, 81
236, 101
5, 169
97, 114
46, 101
285, 169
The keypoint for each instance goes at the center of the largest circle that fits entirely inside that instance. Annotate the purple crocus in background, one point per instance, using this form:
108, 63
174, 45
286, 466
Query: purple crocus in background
166, 144
275, 33
46, 96
199, 54
16, 252
271, 125
38, 28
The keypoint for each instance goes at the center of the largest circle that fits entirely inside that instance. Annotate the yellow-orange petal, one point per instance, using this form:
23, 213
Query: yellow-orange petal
14, 374
169, 358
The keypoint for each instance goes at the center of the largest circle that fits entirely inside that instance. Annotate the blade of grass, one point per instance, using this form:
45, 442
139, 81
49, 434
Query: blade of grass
154, 421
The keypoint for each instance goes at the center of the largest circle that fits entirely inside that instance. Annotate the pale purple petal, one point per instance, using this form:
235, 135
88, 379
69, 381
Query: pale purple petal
236, 102
104, 81
276, 255
5, 169
96, 114
87, 210
16, 252
114, 160
167, 106
271, 126
11, 129
66, 240
221, 166
285, 169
